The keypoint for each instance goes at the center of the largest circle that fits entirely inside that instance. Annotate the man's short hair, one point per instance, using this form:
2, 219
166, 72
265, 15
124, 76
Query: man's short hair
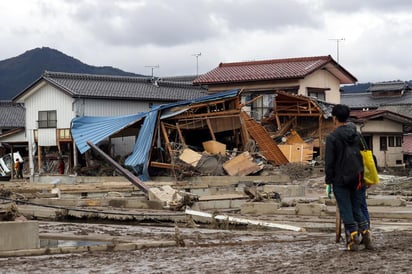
341, 112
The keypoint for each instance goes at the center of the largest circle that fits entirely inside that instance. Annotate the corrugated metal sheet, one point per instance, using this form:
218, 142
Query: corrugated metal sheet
96, 129
139, 159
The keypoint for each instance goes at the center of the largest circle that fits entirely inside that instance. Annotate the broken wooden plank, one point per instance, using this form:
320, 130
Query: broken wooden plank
266, 145
214, 147
297, 153
243, 221
241, 165
190, 157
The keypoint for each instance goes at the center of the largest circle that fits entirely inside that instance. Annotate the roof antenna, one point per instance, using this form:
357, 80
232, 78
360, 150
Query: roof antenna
197, 62
337, 46
152, 67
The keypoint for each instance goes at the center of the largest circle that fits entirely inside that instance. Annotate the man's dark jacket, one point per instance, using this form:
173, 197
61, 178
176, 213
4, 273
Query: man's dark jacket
337, 170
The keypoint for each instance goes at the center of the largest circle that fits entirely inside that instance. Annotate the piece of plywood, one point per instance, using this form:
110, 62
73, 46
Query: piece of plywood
297, 153
214, 147
190, 157
241, 165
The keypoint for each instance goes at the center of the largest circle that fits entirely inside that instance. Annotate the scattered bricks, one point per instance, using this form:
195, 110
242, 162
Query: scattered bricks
259, 208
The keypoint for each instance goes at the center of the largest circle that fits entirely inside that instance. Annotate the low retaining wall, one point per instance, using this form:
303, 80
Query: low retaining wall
19, 235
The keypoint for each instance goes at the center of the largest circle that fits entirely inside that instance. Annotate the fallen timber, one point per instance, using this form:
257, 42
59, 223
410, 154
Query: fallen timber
171, 198
133, 179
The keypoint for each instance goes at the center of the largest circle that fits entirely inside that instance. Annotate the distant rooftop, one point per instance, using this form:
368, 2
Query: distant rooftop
275, 69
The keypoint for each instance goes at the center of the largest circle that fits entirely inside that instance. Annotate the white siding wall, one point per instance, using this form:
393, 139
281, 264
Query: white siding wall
98, 107
386, 126
46, 98
322, 79
49, 98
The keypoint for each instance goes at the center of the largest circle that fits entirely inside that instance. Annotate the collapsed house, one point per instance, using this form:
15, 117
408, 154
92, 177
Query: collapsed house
211, 135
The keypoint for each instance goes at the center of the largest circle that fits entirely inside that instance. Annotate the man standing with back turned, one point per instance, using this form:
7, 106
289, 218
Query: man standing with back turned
344, 171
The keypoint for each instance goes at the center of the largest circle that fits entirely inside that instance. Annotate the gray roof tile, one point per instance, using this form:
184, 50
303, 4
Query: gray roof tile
366, 100
123, 88
12, 115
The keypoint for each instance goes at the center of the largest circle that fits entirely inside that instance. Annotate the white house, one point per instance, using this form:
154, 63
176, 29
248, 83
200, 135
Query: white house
53, 100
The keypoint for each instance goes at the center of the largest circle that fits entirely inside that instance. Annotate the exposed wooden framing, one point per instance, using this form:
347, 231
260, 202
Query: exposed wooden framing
278, 124
251, 101
209, 114
166, 137
283, 129
210, 129
288, 114
320, 136
179, 132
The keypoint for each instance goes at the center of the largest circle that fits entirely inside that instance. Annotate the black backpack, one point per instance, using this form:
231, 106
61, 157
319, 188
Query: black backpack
351, 164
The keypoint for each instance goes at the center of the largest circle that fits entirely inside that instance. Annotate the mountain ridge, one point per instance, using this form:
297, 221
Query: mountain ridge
17, 73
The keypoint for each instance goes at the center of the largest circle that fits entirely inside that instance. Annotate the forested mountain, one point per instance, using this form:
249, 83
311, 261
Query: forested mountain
19, 72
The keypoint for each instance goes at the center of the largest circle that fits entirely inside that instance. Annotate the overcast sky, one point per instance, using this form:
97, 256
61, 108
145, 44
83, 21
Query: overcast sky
134, 35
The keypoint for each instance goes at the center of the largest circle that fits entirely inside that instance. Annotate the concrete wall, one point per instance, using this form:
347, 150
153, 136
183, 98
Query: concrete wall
19, 235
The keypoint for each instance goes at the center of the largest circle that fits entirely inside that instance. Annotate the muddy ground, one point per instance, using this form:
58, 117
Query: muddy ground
218, 250
212, 248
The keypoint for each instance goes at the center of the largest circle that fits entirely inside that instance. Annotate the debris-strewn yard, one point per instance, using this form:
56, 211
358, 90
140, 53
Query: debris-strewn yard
213, 251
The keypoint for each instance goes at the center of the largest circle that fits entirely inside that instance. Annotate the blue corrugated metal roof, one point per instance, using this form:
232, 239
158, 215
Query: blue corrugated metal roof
140, 156
96, 129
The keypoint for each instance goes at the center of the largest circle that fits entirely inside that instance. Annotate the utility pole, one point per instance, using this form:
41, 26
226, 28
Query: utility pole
197, 62
152, 67
337, 46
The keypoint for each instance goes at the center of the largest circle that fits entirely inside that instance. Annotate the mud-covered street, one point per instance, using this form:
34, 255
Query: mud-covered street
226, 251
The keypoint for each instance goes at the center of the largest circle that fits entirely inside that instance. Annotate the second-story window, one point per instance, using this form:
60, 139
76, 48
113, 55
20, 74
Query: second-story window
47, 119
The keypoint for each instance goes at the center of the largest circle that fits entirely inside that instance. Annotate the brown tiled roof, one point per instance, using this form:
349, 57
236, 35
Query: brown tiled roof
275, 69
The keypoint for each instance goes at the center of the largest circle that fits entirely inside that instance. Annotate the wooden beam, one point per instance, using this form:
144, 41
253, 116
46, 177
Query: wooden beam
163, 165
179, 132
166, 137
209, 125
